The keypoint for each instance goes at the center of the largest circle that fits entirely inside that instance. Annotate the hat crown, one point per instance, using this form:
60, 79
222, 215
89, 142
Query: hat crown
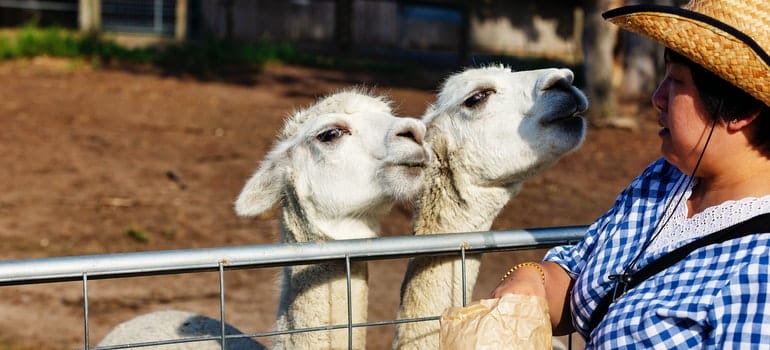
730, 38
751, 17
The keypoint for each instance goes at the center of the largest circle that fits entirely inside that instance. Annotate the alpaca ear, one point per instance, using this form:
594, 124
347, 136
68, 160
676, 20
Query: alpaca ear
261, 191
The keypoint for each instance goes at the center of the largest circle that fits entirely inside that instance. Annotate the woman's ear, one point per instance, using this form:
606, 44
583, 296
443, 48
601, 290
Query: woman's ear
737, 125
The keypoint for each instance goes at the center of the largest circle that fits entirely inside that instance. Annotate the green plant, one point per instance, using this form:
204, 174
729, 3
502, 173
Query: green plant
203, 59
32, 41
138, 234
94, 46
7, 49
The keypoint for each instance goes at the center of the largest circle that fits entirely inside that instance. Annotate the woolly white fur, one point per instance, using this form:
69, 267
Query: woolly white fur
482, 155
338, 189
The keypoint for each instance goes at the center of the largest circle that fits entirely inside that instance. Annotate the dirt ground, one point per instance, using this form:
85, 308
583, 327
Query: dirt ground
85, 161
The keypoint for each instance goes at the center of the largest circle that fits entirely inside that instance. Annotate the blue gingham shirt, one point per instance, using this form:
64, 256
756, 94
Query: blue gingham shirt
716, 298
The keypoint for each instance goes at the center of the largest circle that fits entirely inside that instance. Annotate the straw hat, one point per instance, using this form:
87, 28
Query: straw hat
730, 38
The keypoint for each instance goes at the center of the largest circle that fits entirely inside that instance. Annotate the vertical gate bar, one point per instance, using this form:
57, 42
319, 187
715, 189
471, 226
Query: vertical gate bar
350, 307
222, 302
465, 297
85, 311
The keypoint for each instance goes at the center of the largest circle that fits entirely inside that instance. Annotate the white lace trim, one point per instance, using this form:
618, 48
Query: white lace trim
681, 228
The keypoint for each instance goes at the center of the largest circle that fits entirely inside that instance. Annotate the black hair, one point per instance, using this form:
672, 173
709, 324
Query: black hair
725, 102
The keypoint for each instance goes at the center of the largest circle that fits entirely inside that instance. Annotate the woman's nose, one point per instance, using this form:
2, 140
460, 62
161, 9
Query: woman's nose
660, 96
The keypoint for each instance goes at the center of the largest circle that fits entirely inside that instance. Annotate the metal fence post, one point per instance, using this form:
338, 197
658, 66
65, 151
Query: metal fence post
85, 312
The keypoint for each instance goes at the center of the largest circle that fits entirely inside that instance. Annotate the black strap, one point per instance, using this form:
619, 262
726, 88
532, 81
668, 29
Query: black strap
759, 223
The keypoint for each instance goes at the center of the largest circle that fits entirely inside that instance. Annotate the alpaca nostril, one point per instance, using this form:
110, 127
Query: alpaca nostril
414, 132
407, 134
558, 81
410, 129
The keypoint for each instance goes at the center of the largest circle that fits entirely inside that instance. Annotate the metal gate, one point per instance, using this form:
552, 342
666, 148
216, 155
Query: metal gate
110, 266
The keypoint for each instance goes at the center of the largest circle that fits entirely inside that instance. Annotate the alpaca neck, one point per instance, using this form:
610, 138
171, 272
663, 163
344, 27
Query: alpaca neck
450, 202
301, 222
316, 295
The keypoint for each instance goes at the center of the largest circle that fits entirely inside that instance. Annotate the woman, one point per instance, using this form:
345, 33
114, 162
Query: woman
714, 173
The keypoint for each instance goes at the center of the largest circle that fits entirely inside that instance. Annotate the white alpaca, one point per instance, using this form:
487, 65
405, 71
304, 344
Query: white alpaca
176, 325
337, 168
490, 130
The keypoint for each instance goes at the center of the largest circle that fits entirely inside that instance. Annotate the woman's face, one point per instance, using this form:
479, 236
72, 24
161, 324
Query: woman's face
682, 116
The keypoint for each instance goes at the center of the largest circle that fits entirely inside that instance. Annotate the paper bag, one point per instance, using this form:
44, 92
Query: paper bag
519, 322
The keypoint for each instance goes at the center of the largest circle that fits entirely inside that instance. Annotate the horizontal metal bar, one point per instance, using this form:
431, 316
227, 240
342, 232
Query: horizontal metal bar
101, 266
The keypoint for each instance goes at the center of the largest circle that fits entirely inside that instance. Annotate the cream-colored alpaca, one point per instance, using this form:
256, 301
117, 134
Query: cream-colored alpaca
175, 325
337, 168
490, 130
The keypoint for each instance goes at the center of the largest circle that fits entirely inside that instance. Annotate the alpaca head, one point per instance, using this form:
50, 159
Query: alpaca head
502, 126
346, 156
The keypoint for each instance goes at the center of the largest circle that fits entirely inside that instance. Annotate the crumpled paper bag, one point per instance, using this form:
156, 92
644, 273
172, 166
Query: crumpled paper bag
514, 321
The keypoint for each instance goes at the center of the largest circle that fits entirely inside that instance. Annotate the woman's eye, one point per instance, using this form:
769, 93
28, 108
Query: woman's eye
477, 98
332, 134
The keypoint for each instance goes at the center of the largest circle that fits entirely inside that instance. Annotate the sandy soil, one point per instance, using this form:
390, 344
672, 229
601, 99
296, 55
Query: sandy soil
86, 156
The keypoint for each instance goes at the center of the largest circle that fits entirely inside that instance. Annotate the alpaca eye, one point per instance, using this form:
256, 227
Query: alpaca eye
332, 134
478, 97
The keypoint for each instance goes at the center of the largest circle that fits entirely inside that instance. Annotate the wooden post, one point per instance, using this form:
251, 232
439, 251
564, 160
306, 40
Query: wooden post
90, 15
598, 42
180, 29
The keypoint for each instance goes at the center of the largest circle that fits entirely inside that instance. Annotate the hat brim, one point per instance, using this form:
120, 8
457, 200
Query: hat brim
718, 47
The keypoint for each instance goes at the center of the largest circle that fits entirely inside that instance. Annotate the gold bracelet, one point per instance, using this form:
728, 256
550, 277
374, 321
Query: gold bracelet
524, 264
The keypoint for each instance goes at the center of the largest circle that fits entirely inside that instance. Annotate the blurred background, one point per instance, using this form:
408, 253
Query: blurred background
441, 33
132, 125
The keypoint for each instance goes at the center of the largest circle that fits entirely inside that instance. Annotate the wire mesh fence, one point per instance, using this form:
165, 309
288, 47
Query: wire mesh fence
112, 266
139, 16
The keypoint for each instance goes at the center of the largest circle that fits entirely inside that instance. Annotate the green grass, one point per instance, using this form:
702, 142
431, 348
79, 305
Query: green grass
138, 234
142, 235
205, 59
8, 345
218, 59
